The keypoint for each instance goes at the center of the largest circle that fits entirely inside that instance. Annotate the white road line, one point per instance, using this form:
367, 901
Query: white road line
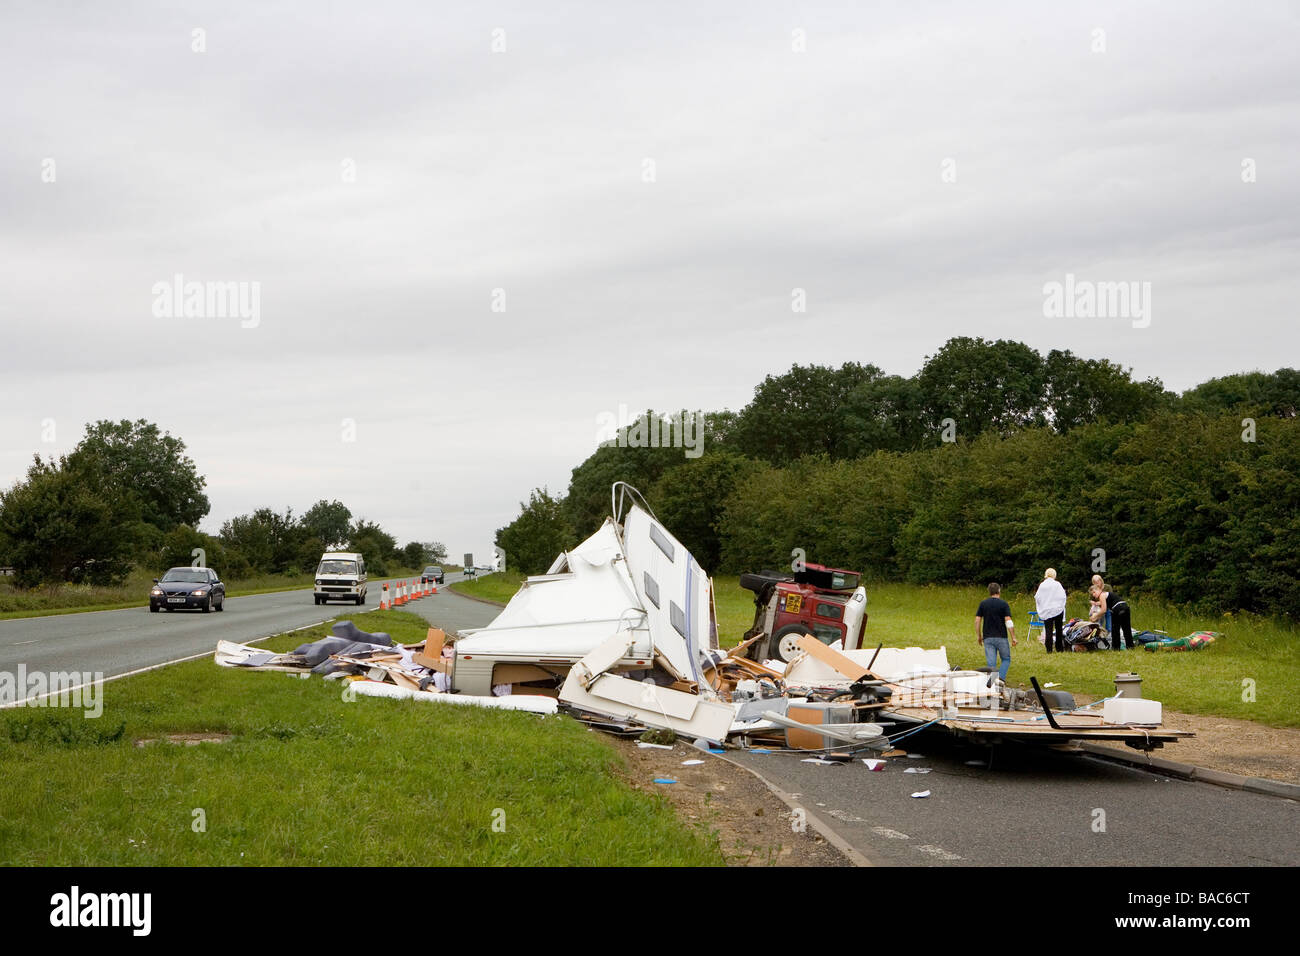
936, 851
154, 667
21, 643
891, 834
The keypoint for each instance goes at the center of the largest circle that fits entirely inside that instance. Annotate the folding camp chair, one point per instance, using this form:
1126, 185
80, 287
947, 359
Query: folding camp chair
1036, 622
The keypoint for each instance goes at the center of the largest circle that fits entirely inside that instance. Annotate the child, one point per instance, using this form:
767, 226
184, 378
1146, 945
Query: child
1094, 609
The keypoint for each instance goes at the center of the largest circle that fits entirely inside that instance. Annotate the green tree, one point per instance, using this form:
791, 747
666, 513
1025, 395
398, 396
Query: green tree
59, 525
329, 521
1082, 391
179, 545
136, 459
886, 414
540, 532
802, 412
1266, 393
690, 498
266, 541
983, 386
413, 555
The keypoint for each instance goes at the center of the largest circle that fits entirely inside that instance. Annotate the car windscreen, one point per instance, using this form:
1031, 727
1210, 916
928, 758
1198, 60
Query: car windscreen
337, 567
186, 576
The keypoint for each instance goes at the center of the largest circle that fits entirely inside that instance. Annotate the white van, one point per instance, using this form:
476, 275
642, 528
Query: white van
341, 575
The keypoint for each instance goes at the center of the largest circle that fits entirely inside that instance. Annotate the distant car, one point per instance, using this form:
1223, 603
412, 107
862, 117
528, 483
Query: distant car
188, 588
433, 573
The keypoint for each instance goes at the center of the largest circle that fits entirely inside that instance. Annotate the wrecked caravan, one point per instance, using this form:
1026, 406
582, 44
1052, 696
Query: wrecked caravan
632, 606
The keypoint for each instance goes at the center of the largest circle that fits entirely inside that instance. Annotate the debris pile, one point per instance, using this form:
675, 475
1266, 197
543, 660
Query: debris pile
373, 665
621, 633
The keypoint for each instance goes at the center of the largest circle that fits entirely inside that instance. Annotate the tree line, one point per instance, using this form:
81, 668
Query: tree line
991, 463
128, 495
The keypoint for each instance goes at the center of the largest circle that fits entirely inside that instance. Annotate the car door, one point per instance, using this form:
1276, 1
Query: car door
215, 581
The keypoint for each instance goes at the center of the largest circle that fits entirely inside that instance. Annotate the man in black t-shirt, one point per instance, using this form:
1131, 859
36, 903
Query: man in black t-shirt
995, 630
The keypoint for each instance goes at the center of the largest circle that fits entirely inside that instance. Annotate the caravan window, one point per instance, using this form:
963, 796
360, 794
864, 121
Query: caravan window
661, 539
651, 589
678, 617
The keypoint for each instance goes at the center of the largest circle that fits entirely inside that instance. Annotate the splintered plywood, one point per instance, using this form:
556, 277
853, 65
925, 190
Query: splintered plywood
832, 658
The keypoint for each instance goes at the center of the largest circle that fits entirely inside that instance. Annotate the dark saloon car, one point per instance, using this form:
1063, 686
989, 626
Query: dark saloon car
433, 573
188, 587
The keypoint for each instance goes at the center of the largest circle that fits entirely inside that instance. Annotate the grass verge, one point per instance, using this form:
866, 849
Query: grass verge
308, 779
500, 586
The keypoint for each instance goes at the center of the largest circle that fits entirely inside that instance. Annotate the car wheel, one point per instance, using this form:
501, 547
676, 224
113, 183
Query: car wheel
317, 601
361, 599
207, 605
153, 608
782, 645
222, 605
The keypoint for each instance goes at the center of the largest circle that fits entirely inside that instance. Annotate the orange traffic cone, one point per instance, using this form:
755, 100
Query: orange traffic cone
401, 593
383, 600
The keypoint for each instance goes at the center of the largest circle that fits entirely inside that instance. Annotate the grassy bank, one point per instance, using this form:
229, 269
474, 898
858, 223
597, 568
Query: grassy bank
133, 592
1265, 651
500, 586
304, 778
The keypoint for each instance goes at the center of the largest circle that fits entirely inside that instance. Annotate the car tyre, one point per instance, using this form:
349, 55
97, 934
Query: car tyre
153, 608
207, 606
221, 606
781, 645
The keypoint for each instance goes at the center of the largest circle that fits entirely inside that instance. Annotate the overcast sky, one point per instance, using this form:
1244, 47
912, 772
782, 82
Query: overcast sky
646, 182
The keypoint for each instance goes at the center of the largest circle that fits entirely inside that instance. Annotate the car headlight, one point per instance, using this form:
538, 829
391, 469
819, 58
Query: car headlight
319, 582
199, 592
156, 592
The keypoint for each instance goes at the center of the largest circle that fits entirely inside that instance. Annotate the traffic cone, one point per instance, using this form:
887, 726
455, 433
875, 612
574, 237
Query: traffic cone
383, 600
433, 586
401, 594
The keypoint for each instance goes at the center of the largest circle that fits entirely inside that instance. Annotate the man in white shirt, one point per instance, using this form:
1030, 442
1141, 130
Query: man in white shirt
1050, 599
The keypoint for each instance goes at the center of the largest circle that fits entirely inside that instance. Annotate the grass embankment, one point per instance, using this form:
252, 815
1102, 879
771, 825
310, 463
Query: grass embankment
1209, 681
499, 586
308, 779
134, 592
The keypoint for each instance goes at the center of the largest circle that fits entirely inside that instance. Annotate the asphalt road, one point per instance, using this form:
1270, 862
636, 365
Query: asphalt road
119, 642
1034, 806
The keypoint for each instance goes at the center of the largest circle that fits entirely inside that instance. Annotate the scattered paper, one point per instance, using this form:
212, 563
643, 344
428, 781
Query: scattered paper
664, 780
873, 764
916, 756
691, 763
921, 793
819, 760
645, 746
917, 770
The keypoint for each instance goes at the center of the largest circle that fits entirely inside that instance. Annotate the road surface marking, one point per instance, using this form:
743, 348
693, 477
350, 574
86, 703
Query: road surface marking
936, 851
891, 834
21, 643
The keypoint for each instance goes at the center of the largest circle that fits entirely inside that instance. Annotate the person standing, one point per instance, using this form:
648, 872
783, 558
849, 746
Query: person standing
1100, 585
994, 629
1050, 602
1116, 609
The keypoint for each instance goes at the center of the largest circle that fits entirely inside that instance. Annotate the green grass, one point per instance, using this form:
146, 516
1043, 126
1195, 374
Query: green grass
309, 779
133, 592
1208, 681
500, 586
